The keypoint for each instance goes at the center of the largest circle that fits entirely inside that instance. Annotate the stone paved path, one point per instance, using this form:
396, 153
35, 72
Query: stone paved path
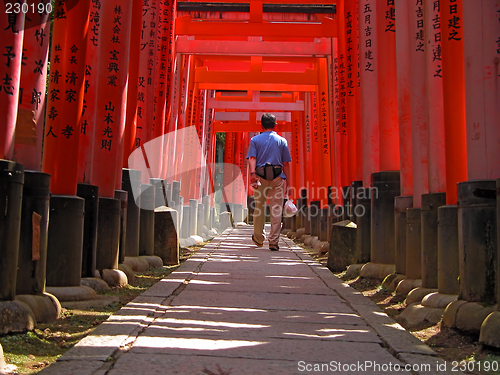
233, 309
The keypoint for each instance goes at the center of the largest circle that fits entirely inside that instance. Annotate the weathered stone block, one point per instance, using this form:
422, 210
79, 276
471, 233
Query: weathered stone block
342, 246
45, 307
114, 277
166, 238
16, 316
226, 220
490, 330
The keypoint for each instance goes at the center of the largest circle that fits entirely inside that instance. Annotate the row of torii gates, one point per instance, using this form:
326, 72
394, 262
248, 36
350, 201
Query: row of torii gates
396, 97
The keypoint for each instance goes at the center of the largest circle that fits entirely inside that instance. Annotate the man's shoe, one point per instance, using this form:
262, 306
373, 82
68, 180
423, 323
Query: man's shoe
274, 247
255, 242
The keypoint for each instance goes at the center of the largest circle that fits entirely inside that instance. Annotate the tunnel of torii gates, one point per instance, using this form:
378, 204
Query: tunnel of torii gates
390, 107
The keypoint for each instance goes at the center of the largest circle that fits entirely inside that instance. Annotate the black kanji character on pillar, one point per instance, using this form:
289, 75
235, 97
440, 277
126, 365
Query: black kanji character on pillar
107, 132
114, 55
71, 78
108, 118
83, 127
36, 98
7, 85
39, 67
67, 131
70, 96
109, 107
51, 133
60, 13
112, 80
12, 20
106, 144
54, 95
39, 34
55, 76
113, 67
52, 113
9, 55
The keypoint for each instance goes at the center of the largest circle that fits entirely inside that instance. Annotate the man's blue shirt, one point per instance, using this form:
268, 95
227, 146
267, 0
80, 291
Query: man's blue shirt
269, 147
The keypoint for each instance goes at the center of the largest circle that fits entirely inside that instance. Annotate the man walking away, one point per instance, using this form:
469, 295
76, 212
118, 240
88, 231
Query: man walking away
269, 163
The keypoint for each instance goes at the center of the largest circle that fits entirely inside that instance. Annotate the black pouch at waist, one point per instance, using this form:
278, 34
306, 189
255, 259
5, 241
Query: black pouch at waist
269, 171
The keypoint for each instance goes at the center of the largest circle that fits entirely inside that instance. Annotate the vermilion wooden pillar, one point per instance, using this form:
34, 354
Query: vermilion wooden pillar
289, 179
201, 129
324, 125
244, 167
112, 94
209, 145
128, 130
419, 122
434, 95
369, 89
351, 79
343, 129
65, 97
454, 96
227, 187
307, 144
170, 89
294, 147
11, 45
162, 74
239, 188
316, 156
337, 132
387, 86
404, 102
145, 89
171, 139
481, 37
29, 129
357, 90
186, 73
136, 44
302, 147
87, 122
191, 143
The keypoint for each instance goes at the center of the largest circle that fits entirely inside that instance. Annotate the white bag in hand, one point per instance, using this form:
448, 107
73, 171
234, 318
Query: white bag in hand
290, 209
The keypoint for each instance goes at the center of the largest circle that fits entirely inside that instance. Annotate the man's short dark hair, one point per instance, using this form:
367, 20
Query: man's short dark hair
268, 121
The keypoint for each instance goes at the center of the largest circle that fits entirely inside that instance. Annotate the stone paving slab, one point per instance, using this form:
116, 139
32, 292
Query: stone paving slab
251, 283
170, 327
263, 348
262, 316
258, 270
275, 301
197, 364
